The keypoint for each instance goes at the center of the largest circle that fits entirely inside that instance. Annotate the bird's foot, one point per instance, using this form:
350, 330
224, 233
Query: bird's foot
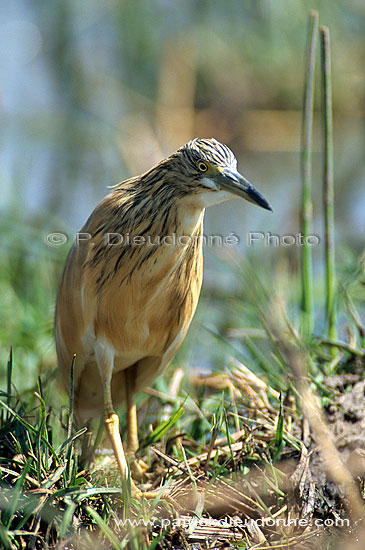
137, 467
152, 495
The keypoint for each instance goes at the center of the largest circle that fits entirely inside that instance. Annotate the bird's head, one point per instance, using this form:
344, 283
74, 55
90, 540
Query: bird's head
208, 170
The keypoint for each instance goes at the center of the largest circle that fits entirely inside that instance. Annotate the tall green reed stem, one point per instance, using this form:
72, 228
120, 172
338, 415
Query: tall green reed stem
328, 184
306, 176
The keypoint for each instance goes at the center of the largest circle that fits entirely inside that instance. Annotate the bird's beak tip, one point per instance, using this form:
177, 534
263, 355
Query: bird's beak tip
235, 183
265, 205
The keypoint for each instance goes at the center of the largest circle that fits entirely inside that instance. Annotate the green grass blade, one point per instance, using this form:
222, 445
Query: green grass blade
5, 539
70, 440
279, 442
31, 429
163, 427
9, 375
67, 519
158, 539
42, 435
53, 478
306, 176
16, 494
107, 532
70, 420
328, 184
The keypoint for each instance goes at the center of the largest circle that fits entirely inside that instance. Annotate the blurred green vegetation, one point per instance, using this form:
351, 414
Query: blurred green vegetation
95, 92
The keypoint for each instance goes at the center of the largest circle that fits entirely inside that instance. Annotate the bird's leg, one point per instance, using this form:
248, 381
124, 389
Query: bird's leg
132, 436
137, 466
105, 360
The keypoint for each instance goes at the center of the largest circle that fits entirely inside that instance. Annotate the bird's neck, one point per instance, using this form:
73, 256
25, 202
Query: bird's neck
156, 211
189, 220
158, 231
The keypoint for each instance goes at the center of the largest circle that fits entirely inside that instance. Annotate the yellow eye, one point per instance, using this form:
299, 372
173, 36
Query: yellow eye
203, 167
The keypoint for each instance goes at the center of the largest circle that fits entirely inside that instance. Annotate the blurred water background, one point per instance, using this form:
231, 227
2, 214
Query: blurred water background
94, 92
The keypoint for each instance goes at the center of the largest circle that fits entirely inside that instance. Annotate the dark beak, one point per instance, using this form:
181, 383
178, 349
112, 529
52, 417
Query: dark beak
233, 182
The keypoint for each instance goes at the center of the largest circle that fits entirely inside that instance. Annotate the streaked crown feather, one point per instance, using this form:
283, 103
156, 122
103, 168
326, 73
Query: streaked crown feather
210, 150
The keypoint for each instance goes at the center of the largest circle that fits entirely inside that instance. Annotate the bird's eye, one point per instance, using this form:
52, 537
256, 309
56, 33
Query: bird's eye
203, 167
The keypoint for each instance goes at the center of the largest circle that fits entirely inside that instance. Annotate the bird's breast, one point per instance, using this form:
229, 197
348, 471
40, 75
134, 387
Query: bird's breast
148, 303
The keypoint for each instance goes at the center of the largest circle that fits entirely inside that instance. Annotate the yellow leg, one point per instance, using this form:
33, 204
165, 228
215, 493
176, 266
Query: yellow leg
112, 427
105, 360
132, 437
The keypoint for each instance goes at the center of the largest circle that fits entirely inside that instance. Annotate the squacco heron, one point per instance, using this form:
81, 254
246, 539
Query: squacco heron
132, 280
